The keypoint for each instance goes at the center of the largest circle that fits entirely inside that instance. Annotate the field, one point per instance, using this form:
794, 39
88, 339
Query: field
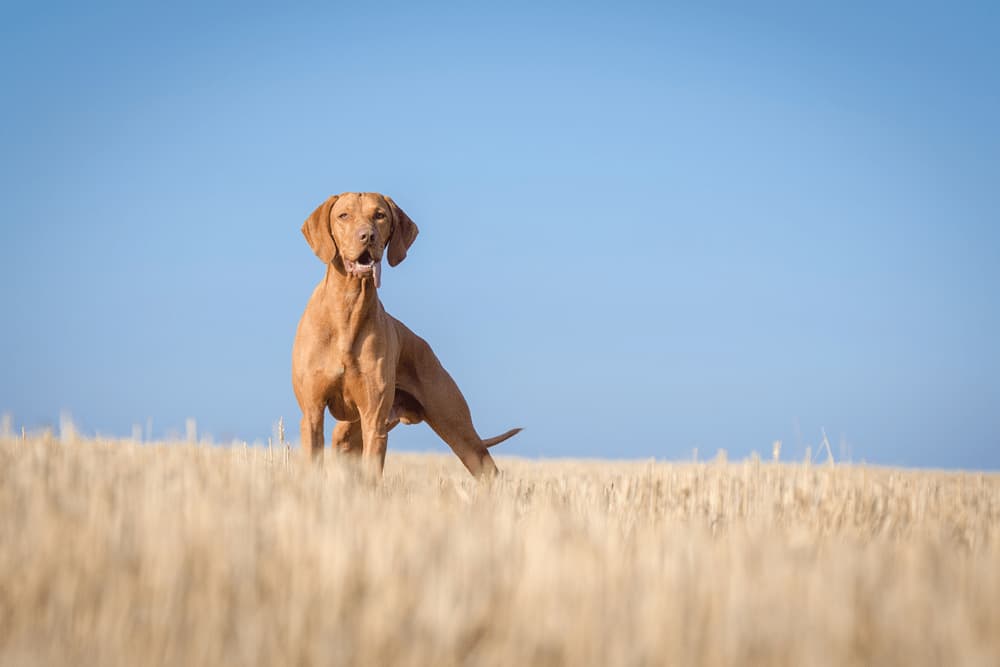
116, 553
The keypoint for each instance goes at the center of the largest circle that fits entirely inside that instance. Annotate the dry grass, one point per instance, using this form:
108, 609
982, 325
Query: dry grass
114, 553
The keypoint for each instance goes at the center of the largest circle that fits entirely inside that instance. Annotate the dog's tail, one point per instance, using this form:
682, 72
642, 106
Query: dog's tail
489, 442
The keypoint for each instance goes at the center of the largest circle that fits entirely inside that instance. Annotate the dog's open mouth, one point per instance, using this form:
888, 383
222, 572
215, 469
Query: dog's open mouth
365, 265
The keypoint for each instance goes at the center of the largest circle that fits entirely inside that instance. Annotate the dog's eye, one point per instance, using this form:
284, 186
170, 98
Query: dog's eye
379, 215
343, 216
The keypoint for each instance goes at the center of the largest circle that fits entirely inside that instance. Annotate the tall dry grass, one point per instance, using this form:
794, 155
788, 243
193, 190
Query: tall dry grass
114, 553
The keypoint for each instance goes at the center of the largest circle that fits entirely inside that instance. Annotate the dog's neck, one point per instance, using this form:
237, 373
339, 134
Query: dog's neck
354, 300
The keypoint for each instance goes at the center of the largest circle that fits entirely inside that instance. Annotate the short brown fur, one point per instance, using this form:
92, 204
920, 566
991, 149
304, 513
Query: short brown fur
353, 358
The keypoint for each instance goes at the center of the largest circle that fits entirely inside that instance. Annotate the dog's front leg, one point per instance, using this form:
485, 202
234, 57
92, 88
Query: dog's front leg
375, 430
312, 431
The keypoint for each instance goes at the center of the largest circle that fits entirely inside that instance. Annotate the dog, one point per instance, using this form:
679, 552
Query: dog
363, 365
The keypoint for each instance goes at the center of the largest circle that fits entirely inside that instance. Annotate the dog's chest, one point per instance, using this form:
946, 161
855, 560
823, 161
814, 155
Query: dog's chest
350, 386
337, 382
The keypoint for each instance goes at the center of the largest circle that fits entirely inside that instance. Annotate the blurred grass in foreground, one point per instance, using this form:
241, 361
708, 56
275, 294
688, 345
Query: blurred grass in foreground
115, 553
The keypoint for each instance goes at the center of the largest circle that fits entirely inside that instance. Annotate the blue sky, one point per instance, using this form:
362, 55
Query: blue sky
644, 228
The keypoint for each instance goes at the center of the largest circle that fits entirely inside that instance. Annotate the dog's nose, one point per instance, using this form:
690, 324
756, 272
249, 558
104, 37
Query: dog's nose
366, 235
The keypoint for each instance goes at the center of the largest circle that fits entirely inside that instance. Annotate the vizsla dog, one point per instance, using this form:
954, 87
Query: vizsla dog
353, 358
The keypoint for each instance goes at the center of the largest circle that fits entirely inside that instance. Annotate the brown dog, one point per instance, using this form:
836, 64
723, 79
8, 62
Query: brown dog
360, 362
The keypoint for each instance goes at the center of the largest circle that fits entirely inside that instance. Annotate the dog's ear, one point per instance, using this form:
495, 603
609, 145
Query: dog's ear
316, 229
404, 233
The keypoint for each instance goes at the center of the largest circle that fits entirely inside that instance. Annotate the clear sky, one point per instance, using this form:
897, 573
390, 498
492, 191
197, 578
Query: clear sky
643, 229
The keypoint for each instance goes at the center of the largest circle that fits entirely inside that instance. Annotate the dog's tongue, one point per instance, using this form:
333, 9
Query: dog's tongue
377, 273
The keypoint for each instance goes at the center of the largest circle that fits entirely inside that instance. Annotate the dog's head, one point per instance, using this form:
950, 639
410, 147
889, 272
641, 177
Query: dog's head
353, 229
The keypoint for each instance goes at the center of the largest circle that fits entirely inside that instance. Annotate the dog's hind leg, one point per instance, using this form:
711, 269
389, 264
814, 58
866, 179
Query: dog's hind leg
346, 438
447, 413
